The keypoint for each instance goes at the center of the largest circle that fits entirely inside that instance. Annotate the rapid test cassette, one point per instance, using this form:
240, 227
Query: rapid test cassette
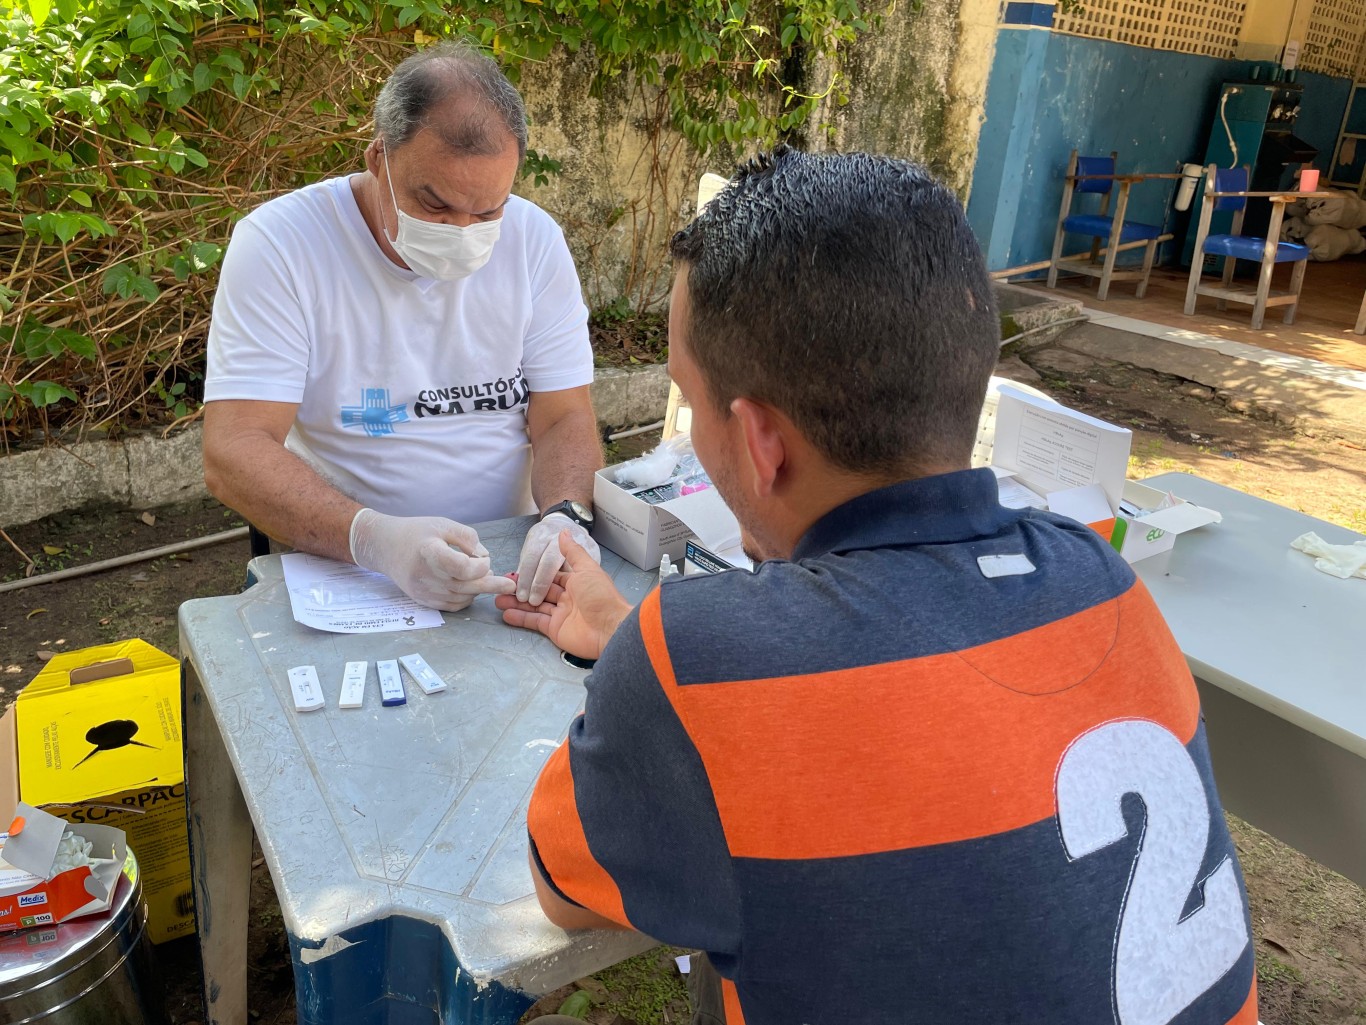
353, 685
308, 692
390, 683
424, 674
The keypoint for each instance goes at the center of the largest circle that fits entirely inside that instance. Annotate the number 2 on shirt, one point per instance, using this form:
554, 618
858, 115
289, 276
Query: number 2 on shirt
1161, 962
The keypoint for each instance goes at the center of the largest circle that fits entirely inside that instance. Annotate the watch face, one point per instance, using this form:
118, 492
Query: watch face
576, 511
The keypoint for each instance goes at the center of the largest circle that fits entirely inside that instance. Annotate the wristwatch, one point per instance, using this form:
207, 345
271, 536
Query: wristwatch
576, 511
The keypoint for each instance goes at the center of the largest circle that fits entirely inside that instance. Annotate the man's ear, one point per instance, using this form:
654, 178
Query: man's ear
373, 155
762, 432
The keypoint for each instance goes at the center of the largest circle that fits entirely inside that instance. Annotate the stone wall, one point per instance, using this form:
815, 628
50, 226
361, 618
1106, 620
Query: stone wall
917, 88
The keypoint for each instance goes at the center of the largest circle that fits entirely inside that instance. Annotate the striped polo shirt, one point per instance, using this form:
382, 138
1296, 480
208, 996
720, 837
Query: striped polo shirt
946, 765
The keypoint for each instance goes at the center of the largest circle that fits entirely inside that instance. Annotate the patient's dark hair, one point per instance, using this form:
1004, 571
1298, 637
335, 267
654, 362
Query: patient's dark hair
848, 292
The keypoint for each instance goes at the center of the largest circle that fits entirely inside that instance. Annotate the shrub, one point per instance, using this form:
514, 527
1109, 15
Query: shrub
133, 134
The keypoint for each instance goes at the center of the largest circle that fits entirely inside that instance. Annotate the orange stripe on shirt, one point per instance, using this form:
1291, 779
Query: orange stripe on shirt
730, 1001
652, 635
1247, 1014
553, 821
931, 750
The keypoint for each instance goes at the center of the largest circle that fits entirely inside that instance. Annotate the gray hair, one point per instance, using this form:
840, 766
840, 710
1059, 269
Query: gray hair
442, 71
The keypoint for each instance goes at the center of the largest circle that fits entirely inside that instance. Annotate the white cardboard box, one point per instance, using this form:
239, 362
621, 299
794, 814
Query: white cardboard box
1074, 464
641, 533
1154, 533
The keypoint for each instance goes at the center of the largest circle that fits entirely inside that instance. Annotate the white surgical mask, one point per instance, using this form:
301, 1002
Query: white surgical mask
446, 252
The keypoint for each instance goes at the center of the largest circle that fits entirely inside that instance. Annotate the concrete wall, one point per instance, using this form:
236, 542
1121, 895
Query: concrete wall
1050, 93
622, 190
916, 89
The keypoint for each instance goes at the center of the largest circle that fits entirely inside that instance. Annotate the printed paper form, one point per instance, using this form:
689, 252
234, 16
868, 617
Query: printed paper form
1053, 448
340, 598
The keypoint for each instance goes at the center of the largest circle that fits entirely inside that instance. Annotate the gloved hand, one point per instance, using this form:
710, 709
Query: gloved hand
416, 553
541, 557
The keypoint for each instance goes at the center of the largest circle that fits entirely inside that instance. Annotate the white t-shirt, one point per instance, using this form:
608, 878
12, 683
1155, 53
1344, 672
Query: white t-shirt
412, 392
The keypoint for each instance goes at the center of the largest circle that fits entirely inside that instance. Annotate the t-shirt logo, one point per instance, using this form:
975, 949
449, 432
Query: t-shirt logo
375, 414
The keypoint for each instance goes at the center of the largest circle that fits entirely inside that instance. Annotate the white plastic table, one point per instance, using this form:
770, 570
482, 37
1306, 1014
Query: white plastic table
1276, 649
396, 837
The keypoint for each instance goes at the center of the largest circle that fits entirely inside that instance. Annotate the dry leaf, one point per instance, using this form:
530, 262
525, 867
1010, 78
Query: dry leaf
53, 549
35, 612
44, 656
149, 519
1279, 944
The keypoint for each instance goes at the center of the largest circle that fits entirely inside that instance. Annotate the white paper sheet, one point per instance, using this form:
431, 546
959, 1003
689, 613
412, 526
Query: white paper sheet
1085, 505
1014, 495
707, 516
340, 598
1054, 448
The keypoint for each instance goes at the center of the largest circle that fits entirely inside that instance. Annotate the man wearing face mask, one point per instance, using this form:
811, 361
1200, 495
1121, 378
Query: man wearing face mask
402, 352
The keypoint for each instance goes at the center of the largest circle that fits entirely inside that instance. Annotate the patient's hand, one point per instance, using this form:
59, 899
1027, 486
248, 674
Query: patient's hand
582, 608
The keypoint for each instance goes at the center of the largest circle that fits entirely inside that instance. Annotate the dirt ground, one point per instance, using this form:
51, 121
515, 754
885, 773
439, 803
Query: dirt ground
1310, 924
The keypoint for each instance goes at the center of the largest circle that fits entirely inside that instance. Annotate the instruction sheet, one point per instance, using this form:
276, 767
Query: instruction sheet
341, 598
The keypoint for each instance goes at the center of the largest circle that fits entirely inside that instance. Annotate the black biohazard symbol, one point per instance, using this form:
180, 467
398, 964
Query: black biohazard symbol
110, 736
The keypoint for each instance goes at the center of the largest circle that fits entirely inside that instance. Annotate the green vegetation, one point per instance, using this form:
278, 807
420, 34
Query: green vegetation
134, 133
642, 988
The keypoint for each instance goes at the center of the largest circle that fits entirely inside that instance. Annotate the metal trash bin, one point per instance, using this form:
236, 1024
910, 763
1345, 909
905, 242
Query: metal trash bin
98, 970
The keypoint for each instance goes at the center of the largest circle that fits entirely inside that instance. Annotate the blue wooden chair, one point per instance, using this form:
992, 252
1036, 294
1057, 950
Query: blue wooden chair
1108, 230
1226, 189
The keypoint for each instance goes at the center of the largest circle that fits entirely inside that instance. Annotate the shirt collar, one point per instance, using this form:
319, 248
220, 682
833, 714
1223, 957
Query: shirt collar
942, 509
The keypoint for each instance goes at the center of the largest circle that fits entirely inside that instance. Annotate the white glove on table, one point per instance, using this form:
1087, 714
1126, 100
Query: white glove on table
1341, 561
541, 556
435, 561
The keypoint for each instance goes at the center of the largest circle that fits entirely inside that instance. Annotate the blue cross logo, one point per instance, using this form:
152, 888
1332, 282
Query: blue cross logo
374, 414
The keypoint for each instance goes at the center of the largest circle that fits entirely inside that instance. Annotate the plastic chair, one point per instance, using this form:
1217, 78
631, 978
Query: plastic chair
986, 424
1097, 175
1226, 189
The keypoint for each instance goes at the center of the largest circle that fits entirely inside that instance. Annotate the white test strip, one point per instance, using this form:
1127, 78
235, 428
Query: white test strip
424, 674
308, 692
353, 685
390, 683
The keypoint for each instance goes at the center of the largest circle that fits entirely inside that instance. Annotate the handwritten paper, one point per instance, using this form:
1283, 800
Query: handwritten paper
340, 598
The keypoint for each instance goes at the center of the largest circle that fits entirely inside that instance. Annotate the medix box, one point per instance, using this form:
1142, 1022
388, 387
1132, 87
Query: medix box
99, 741
32, 894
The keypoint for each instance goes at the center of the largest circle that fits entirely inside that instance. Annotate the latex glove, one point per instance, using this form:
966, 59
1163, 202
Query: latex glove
1341, 561
582, 608
541, 558
435, 561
